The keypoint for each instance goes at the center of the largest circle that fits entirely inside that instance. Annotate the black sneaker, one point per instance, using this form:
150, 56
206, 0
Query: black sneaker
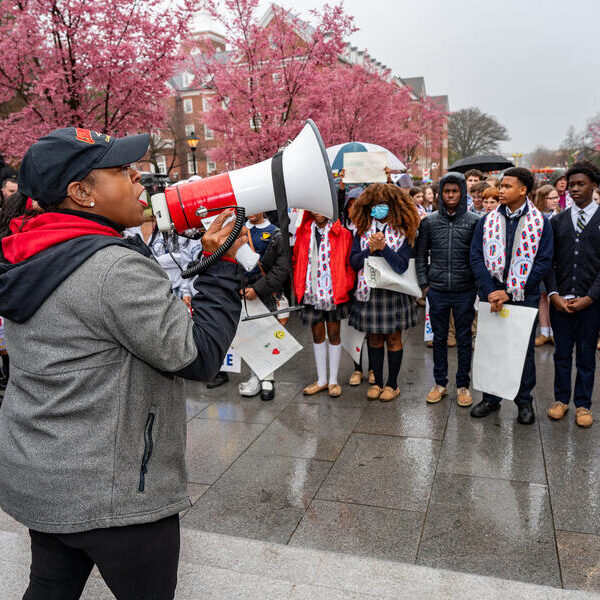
484, 408
267, 390
220, 378
526, 414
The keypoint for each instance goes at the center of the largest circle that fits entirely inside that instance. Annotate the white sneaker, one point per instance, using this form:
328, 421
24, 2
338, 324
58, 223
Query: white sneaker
250, 388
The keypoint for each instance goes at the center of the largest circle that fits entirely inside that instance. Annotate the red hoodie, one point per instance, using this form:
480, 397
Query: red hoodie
31, 235
342, 274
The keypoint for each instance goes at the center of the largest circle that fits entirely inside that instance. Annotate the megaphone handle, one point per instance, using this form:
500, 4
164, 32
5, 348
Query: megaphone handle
217, 255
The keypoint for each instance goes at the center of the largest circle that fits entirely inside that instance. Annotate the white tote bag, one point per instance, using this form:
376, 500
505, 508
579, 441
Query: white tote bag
500, 348
379, 274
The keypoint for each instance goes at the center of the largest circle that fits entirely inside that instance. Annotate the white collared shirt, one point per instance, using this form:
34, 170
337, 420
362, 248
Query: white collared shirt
588, 211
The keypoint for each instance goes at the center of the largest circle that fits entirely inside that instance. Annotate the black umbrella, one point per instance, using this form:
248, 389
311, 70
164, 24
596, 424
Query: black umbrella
483, 162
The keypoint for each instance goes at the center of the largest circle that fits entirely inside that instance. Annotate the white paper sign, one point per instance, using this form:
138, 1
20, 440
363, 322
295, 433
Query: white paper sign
500, 349
352, 340
379, 274
232, 363
428, 335
264, 343
365, 167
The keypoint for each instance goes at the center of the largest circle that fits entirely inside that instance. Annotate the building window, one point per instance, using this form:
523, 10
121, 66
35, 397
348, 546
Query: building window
190, 163
189, 129
161, 162
211, 166
205, 104
209, 134
188, 106
187, 80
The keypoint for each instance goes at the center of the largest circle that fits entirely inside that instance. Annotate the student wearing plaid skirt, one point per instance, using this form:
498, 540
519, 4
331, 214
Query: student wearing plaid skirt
323, 280
387, 222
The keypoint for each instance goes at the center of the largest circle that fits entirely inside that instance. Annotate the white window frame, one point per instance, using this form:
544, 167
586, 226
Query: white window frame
211, 166
205, 104
188, 105
161, 162
209, 134
189, 129
188, 78
190, 163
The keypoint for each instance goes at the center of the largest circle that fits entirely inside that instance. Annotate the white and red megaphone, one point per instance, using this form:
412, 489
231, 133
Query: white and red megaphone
299, 176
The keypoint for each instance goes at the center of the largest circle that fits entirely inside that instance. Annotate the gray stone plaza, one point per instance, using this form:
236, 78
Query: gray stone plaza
320, 498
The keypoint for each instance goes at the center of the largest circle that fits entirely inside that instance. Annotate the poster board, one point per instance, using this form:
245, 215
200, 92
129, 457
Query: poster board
365, 167
500, 348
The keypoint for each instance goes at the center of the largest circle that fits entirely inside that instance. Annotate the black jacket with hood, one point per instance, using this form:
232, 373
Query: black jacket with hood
444, 244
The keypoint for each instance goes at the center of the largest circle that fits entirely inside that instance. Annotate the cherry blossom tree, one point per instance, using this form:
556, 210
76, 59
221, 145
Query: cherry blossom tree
99, 64
593, 131
260, 84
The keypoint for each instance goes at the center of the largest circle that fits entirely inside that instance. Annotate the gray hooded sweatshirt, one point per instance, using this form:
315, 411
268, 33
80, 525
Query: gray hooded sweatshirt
93, 424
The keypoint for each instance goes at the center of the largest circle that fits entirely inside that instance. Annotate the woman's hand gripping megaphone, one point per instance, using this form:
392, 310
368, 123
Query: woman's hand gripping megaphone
219, 231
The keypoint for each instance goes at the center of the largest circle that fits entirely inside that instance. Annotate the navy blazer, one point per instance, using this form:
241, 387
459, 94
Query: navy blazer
541, 264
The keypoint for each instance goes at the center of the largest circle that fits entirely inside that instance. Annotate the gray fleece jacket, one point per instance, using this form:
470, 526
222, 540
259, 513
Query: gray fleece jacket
93, 424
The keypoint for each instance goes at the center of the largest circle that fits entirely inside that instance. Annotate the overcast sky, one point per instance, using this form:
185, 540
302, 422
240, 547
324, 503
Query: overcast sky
533, 64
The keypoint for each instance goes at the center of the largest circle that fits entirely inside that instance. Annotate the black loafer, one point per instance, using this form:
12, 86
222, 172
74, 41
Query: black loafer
526, 414
267, 390
484, 408
219, 379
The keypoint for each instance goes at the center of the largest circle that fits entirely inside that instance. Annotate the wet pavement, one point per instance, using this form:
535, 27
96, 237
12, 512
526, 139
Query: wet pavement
403, 481
313, 497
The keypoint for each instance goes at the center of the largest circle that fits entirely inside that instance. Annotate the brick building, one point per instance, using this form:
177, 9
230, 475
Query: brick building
169, 151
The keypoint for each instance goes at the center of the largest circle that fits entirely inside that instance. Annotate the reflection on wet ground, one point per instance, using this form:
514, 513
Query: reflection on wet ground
404, 481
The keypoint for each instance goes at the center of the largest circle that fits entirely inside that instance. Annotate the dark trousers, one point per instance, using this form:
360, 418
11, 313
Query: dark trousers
579, 330
462, 306
524, 395
137, 562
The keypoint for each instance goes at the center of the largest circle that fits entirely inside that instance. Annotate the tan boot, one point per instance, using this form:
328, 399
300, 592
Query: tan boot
429, 344
540, 340
371, 378
558, 410
374, 392
335, 391
451, 341
463, 397
436, 393
356, 378
389, 393
314, 388
583, 417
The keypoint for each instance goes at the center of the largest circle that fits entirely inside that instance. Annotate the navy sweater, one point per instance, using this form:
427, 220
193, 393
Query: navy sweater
397, 260
541, 264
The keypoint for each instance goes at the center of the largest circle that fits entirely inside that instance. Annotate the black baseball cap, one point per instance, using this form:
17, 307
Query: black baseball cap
69, 154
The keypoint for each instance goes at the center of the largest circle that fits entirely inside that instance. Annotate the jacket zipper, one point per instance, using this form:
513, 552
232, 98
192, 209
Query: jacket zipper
450, 256
148, 445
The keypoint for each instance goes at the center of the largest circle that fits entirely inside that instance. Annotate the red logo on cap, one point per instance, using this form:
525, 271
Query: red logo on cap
85, 135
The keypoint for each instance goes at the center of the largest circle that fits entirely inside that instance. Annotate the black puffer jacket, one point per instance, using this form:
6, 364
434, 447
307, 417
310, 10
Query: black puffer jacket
444, 244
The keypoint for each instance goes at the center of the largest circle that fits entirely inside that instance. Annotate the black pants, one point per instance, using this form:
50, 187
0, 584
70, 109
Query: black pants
137, 562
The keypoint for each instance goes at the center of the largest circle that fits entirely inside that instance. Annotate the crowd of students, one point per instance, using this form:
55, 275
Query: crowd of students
508, 240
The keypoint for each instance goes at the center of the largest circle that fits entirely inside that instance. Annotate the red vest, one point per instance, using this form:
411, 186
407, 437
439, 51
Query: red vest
342, 274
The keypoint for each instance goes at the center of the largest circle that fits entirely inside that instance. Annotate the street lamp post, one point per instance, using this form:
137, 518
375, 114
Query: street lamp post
192, 142
517, 156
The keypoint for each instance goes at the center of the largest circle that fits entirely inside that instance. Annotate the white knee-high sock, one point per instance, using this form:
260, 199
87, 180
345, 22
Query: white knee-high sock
335, 353
321, 362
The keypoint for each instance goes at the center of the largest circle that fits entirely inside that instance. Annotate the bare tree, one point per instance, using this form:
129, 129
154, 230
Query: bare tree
471, 131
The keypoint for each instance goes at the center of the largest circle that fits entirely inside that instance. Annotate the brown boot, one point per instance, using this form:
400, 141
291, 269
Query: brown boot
388, 394
374, 392
436, 393
356, 378
540, 340
463, 397
335, 390
583, 417
314, 388
451, 341
558, 410
371, 378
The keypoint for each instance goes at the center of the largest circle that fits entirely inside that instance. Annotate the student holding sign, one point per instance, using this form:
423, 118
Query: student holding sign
387, 222
510, 255
574, 291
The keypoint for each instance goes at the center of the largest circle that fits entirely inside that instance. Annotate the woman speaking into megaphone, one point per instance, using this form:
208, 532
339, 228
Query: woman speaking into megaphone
93, 424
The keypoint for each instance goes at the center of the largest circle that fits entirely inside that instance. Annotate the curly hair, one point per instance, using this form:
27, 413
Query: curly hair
586, 168
403, 215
